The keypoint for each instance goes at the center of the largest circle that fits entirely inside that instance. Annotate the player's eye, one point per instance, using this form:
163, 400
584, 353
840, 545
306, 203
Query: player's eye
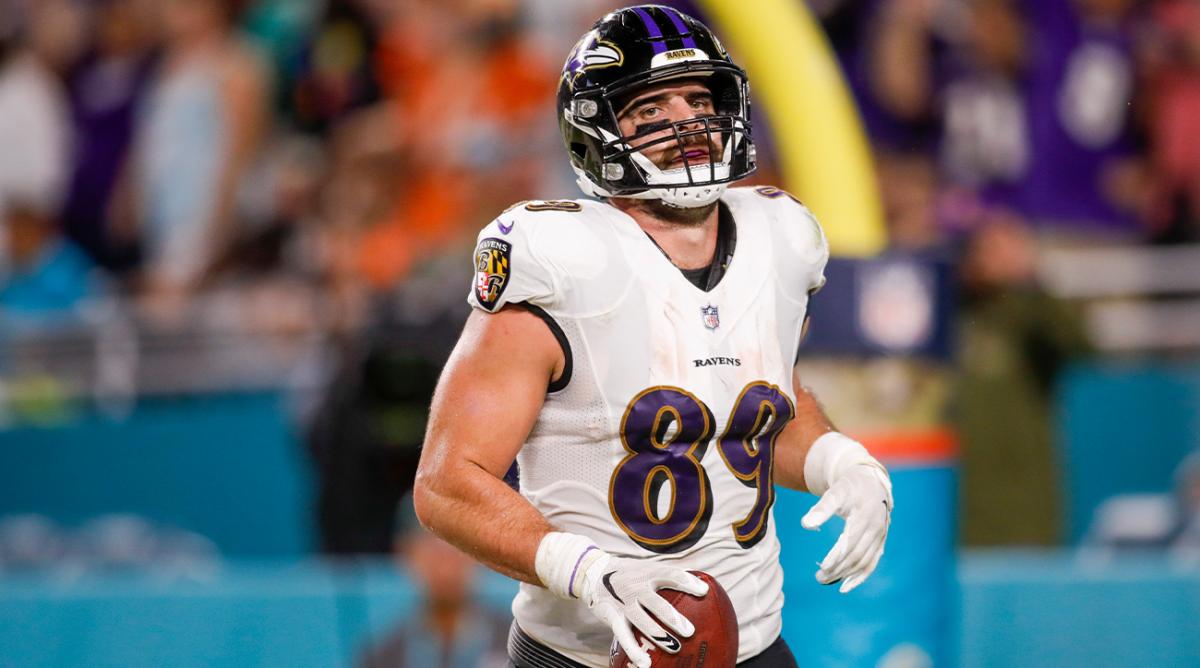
649, 111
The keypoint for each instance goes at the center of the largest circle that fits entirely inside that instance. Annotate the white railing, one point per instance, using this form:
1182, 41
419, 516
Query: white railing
1136, 298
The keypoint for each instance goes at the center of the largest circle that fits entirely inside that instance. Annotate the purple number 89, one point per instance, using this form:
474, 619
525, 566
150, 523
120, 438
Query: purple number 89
665, 432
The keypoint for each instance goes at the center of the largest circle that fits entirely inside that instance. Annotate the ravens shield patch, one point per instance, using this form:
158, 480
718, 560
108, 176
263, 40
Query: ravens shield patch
492, 258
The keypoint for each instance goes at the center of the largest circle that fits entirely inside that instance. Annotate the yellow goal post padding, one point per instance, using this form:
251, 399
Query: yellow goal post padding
824, 153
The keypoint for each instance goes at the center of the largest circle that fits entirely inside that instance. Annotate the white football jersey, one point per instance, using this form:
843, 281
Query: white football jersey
657, 441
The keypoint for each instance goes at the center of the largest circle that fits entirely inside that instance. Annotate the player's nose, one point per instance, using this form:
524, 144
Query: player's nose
679, 109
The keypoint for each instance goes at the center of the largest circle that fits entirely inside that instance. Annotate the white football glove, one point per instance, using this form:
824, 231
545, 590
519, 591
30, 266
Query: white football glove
622, 592
855, 486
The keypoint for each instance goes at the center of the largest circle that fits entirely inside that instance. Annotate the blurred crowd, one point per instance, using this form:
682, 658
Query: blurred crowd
283, 149
1001, 129
310, 155
1072, 115
288, 165
289, 148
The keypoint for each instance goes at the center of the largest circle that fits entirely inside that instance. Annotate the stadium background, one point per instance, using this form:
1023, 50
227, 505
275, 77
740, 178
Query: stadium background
234, 254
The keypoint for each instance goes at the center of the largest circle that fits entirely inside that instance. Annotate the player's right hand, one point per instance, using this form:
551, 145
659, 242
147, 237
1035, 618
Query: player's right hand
624, 593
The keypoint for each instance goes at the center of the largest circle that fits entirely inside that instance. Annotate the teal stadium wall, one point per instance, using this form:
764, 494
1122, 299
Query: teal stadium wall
232, 468
1031, 611
1124, 427
227, 466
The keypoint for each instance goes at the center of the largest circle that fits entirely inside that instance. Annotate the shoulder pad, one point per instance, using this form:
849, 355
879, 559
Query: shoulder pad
800, 242
531, 251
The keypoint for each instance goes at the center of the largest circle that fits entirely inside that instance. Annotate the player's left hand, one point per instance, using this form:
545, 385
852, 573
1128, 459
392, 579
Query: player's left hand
862, 496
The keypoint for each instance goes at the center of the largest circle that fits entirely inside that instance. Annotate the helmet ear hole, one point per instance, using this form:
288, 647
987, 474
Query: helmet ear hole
579, 150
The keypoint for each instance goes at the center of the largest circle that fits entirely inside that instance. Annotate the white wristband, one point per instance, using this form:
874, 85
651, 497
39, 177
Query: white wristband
563, 559
830, 456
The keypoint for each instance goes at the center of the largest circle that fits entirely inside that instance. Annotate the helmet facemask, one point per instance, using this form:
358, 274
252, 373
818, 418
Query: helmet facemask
611, 165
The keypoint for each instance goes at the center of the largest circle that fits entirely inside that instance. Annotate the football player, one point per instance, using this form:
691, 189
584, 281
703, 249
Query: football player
633, 352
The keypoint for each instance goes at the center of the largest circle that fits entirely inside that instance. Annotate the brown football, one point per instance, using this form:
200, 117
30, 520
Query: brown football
713, 645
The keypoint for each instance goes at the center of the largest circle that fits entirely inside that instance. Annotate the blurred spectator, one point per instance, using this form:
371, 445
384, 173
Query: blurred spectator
1013, 341
894, 53
281, 29
909, 190
45, 273
56, 31
366, 435
277, 199
1171, 70
985, 143
449, 629
355, 195
1030, 100
272, 271
334, 73
33, 125
49, 276
456, 138
106, 88
942, 89
203, 120
1081, 89
468, 91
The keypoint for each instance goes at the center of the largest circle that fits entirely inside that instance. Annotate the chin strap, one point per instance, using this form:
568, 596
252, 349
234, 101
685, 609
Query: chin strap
685, 197
690, 197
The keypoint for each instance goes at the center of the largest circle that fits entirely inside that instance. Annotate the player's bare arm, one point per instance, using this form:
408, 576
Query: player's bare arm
791, 450
486, 403
812, 456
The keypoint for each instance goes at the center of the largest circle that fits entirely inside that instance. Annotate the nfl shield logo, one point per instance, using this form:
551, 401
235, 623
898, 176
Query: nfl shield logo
712, 319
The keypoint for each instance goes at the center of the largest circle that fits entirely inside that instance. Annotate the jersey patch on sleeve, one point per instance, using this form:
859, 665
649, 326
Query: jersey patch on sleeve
492, 269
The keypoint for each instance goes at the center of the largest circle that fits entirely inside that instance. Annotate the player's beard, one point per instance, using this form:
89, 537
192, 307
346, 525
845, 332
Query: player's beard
679, 215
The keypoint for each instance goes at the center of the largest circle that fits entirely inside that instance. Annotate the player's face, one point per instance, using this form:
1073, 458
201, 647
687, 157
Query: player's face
666, 103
